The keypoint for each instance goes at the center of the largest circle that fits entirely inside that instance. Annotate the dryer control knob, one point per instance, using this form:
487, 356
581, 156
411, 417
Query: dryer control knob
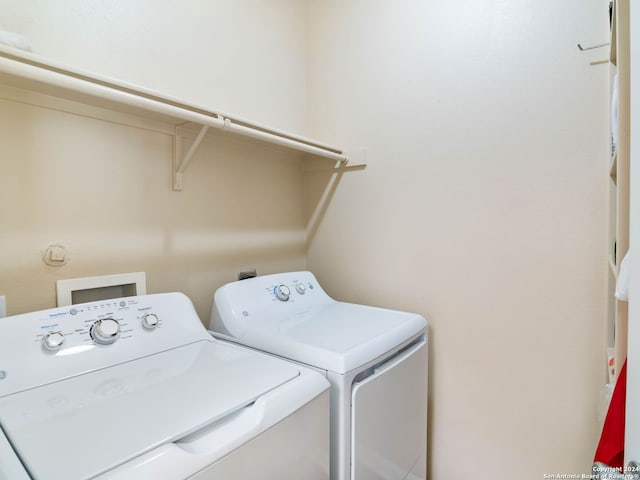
150, 321
300, 288
53, 341
282, 292
105, 331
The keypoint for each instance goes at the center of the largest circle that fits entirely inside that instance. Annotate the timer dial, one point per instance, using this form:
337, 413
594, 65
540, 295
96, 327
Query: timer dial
105, 331
53, 341
150, 321
282, 292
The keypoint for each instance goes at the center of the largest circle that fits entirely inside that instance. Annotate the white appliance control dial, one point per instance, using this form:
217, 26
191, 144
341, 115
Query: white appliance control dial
52, 341
300, 288
150, 321
105, 331
282, 292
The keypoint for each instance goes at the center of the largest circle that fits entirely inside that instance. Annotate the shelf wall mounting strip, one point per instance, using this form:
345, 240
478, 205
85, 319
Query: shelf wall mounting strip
31, 72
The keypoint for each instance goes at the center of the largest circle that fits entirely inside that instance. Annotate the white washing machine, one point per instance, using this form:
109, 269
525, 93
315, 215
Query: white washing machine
135, 388
375, 360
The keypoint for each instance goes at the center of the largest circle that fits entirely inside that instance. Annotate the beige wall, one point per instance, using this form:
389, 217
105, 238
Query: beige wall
482, 208
103, 189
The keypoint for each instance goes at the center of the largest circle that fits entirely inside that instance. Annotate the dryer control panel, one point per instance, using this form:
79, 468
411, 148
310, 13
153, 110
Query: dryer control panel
44, 346
291, 289
265, 300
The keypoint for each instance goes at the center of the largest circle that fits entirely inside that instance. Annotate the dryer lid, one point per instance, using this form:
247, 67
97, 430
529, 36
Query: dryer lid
80, 427
336, 336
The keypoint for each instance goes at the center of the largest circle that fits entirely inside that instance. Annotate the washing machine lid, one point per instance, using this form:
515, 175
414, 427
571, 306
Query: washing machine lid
335, 336
83, 426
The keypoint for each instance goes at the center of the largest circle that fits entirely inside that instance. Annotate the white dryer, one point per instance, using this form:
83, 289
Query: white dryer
135, 388
375, 360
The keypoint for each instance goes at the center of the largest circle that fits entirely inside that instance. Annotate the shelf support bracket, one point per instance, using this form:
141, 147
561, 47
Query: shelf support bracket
180, 166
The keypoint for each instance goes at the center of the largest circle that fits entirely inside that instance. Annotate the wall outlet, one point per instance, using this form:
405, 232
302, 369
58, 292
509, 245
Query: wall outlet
247, 274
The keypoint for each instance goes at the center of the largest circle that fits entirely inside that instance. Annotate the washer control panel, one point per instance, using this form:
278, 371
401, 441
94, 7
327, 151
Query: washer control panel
44, 346
98, 323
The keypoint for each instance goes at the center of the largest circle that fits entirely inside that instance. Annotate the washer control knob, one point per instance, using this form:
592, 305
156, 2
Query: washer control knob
105, 331
53, 341
300, 288
150, 321
282, 292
